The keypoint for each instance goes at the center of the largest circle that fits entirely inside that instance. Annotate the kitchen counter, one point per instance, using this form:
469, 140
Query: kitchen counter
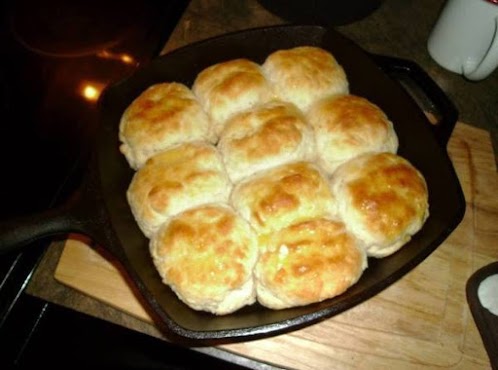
398, 28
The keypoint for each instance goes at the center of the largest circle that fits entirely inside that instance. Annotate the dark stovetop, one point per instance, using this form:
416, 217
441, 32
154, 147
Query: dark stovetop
57, 58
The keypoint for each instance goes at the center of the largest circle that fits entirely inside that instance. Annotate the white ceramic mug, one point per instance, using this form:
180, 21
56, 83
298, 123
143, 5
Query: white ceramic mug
464, 40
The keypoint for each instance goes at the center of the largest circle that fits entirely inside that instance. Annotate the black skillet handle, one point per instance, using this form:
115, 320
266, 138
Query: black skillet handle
17, 233
82, 213
447, 112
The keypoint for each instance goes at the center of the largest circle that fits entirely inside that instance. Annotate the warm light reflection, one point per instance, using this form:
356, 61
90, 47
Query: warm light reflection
91, 90
125, 58
122, 57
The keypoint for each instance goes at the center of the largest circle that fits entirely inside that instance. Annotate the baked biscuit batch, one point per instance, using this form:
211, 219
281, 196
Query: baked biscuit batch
268, 183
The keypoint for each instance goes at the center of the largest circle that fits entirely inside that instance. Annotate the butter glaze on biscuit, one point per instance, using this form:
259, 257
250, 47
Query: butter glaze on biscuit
164, 115
231, 87
278, 197
383, 200
263, 137
306, 263
172, 181
207, 256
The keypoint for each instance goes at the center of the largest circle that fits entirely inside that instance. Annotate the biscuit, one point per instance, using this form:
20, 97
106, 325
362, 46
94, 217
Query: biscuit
172, 181
347, 126
162, 116
306, 263
305, 74
278, 197
263, 137
230, 87
207, 256
383, 200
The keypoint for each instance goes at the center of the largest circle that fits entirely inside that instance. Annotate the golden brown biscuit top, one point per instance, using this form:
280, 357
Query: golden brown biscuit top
303, 62
266, 131
229, 87
389, 194
159, 103
208, 248
284, 195
163, 109
310, 261
185, 170
303, 74
355, 121
229, 78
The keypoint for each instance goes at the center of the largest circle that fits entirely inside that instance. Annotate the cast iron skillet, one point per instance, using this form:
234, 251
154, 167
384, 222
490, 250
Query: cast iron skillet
100, 209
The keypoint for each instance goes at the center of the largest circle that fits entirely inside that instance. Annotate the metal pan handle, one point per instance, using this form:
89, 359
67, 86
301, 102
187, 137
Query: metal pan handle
433, 95
82, 213
17, 233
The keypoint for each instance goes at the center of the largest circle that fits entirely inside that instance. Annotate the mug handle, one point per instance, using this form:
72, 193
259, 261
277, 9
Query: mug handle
489, 63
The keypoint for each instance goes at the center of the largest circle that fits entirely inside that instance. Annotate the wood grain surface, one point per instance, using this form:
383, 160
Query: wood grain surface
421, 321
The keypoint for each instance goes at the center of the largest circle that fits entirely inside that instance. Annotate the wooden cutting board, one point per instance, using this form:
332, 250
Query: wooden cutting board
421, 321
